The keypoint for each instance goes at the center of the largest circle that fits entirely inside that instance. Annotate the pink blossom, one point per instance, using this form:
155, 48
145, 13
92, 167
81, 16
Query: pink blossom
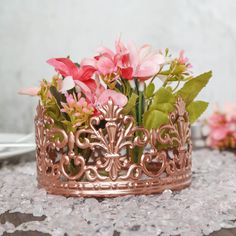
29, 91
222, 128
230, 111
102, 95
217, 119
67, 68
142, 62
85, 73
64, 66
78, 109
184, 60
219, 133
218, 126
96, 99
128, 61
118, 98
104, 63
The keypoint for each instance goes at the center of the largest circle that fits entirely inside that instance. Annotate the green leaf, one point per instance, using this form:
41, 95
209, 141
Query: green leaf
168, 88
195, 109
130, 104
149, 90
164, 107
154, 119
161, 106
57, 95
192, 87
162, 95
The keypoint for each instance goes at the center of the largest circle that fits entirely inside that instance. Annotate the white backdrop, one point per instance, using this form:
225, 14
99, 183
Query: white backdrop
32, 31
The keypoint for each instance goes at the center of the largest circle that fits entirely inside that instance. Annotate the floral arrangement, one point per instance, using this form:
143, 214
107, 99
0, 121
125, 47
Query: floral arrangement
144, 82
222, 128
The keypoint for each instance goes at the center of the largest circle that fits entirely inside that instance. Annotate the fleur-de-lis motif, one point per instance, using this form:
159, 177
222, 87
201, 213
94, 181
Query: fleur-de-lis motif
176, 135
113, 140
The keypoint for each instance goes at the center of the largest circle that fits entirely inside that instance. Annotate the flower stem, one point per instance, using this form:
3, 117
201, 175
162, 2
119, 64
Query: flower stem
139, 118
140, 108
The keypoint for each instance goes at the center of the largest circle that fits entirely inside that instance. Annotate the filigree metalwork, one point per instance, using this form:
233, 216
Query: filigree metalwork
110, 171
112, 141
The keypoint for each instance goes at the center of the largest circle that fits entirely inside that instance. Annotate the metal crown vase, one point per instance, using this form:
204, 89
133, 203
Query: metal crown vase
96, 161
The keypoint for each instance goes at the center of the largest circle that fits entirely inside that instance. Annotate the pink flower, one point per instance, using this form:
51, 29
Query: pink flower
219, 133
118, 98
222, 128
128, 61
106, 61
85, 73
217, 119
29, 91
184, 60
102, 95
217, 137
141, 63
218, 126
81, 76
64, 66
78, 109
230, 111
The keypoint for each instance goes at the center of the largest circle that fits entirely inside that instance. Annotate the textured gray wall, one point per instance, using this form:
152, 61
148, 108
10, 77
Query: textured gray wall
32, 31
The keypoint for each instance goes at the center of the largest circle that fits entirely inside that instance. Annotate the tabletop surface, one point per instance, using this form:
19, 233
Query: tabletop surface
208, 207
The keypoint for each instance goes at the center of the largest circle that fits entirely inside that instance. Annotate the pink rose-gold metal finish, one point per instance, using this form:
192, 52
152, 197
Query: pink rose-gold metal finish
64, 167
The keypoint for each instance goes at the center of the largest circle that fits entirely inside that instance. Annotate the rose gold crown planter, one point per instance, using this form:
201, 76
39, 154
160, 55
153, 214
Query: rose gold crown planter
109, 171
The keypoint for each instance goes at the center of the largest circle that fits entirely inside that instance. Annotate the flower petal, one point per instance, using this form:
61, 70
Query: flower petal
67, 84
85, 89
127, 73
29, 91
219, 133
120, 47
133, 54
103, 51
105, 65
147, 70
230, 111
91, 84
88, 62
64, 66
85, 73
118, 98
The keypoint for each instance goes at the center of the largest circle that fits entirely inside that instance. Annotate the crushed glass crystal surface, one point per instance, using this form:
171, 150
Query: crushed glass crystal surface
208, 205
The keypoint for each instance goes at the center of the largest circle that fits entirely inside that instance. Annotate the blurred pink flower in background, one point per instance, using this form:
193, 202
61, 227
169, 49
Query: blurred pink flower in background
230, 110
222, 128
